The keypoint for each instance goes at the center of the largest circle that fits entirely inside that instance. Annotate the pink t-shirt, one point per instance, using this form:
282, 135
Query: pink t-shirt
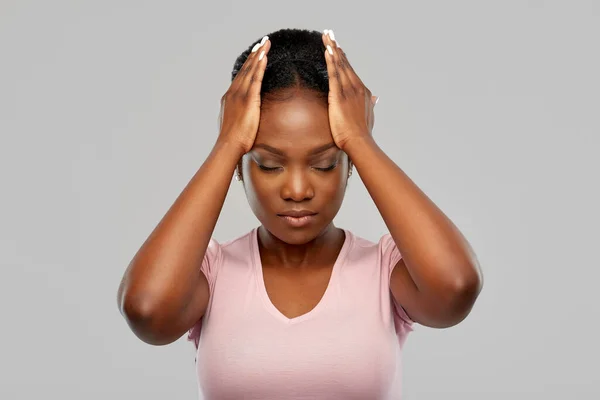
347, 347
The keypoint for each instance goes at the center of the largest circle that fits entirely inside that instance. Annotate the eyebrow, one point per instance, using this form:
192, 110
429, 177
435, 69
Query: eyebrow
274, 150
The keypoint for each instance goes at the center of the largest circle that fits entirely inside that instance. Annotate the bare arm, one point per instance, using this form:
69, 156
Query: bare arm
163, 292
439, 278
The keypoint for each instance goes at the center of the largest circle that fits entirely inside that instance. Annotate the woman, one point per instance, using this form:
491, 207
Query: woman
298, 308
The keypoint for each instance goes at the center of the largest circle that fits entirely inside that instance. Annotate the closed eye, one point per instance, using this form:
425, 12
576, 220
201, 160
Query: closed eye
332, 166
267, 168
270, 169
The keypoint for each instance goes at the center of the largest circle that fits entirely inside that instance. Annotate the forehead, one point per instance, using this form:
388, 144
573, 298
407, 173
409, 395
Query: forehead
301, 122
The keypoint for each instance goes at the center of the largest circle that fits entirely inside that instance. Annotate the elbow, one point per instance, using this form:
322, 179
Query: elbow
456, 300
462, 297
132, 305
470, 286
145, 319
466, 284
136, 311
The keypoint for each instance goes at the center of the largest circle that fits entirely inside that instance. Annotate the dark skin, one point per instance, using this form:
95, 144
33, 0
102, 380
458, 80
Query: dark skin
295, 164
438, 278
163, 293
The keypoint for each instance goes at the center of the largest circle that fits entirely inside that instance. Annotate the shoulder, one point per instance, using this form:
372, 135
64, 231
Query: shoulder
378, 249
239, 250
381, 243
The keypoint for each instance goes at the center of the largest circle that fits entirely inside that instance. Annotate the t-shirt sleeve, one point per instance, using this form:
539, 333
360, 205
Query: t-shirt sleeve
209, 267
390, 255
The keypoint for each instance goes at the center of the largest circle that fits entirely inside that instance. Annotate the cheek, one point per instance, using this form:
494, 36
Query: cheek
260, 191
334, 188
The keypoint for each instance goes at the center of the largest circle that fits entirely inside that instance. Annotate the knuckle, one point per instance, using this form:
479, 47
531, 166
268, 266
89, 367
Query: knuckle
233, 96
255, 78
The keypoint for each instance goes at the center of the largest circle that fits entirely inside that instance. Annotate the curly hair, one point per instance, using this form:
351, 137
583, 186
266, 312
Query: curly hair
296, 60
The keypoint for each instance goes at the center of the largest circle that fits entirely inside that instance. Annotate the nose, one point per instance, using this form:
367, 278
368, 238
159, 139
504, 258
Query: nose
297, 186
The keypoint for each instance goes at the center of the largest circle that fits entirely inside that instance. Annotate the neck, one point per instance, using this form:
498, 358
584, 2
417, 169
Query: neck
320, 251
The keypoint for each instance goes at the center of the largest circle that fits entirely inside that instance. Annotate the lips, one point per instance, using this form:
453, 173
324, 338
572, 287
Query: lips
298, 218
297, 213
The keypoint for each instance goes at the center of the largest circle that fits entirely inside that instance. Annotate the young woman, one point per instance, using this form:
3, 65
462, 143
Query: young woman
298, 308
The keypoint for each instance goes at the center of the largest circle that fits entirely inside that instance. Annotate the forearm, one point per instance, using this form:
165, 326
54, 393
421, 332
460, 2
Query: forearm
435, 252
164, 272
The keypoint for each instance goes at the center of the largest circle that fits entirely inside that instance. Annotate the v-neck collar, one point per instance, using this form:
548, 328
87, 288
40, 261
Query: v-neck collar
262, 289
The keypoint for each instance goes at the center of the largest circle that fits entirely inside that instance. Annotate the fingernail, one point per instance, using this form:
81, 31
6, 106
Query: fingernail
258, 45
262, 54
329, 49
331, 35
326, 31
377, 99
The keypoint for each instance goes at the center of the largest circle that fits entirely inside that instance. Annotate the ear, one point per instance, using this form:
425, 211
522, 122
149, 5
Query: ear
238, 171
350, 165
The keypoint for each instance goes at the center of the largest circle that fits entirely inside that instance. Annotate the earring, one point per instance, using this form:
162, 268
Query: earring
237, 177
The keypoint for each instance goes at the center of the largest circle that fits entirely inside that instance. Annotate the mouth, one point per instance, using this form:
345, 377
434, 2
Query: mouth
298, 219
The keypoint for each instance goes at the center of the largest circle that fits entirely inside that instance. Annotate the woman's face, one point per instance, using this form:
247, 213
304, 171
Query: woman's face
294, 166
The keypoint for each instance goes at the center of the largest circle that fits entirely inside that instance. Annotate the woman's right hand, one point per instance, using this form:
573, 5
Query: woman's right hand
240, 105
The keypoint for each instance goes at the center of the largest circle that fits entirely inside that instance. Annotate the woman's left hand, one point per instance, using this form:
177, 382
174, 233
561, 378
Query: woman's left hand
351, 104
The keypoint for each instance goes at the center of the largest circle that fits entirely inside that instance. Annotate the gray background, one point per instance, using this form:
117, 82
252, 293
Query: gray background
109, 107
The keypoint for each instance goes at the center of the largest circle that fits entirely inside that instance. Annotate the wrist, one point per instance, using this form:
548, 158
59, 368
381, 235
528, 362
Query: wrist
357, 142
229, 146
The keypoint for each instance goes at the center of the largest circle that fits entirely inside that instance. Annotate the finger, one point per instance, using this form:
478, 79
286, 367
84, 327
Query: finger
247, 66
253, 80
354, 78
337, 77
340, 62
334, 84
352, 75
332, 36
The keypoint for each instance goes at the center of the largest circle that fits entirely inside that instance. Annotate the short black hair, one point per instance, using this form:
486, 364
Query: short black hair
296, 60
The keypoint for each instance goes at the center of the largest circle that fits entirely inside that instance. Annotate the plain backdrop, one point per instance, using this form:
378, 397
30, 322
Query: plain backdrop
108, 108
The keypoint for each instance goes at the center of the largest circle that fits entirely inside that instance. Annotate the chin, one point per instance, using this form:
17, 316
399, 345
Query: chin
292, 234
